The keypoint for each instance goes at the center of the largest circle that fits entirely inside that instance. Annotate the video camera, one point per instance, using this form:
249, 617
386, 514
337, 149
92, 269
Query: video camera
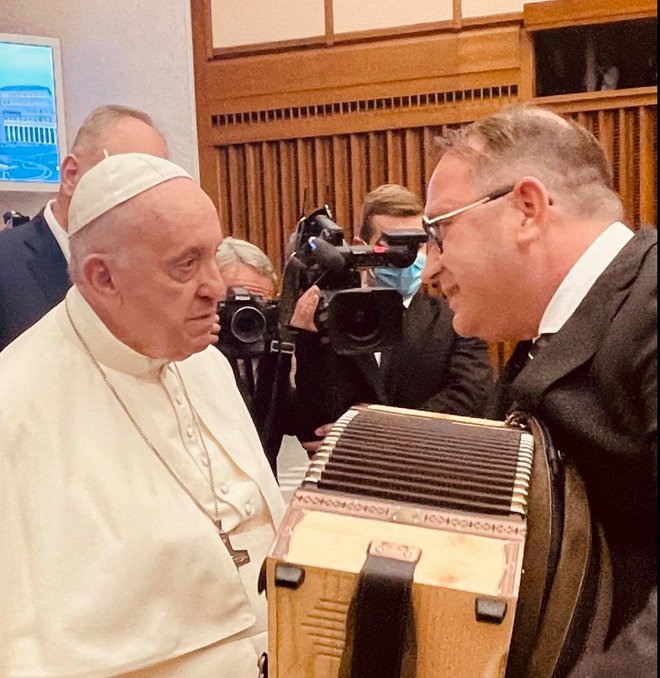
355, 319
248, 324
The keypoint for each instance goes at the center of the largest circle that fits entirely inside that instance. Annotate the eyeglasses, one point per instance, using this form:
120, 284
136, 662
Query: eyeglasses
432, 226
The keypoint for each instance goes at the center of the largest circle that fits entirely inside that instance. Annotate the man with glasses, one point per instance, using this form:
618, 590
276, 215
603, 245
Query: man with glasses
527, 243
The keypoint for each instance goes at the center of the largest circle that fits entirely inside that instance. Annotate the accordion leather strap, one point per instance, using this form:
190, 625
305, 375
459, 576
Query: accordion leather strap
380, 617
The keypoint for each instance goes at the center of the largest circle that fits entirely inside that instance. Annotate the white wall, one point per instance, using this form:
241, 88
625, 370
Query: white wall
116, 51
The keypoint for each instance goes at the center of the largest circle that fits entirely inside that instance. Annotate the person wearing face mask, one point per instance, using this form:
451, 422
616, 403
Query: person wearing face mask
431, 368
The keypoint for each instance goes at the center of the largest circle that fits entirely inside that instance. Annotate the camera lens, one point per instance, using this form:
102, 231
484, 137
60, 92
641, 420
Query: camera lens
248, 324
361, 324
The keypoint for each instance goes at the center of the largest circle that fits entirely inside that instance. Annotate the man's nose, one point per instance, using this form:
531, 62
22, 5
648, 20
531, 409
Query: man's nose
432, 265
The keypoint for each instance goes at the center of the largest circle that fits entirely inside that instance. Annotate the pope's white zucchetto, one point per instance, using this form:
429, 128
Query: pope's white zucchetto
114, 180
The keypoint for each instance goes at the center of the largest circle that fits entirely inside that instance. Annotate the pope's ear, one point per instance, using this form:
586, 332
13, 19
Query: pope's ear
97, 274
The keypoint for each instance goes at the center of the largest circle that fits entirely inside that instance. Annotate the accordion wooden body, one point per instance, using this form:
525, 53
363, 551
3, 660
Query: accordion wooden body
423, 545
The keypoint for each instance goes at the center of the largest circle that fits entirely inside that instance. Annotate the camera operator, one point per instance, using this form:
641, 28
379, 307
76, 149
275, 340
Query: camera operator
431, 368
260, 367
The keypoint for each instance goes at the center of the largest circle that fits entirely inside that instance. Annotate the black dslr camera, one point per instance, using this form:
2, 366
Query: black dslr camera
248, 323
355, 319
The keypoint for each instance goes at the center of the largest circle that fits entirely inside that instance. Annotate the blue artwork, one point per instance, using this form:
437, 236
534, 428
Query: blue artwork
28, 115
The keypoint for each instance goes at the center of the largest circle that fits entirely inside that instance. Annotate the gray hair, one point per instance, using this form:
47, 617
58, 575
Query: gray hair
101, 119
237, 251
523, 139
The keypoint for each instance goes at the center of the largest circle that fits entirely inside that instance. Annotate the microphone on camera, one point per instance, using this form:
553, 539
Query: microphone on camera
326, 254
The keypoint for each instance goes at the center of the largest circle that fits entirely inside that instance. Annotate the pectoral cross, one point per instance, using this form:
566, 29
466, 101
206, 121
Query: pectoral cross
241, 556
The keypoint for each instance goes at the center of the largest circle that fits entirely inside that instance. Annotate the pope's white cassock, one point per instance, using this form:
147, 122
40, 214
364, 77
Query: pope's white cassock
107, 567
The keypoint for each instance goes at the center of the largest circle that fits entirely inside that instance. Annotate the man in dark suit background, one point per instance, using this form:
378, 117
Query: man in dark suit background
526, 240
34, 256
431, 368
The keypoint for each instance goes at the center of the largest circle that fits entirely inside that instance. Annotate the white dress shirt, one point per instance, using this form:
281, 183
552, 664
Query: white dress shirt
107, 566
586, 270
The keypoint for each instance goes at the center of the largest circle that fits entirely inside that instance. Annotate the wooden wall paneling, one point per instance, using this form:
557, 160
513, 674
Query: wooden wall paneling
221, 185
305, 175
648, 153
626, 162
414, 176
237, 193
358, 172
272, 225
562, 13
429, 151
606, 133
323, 178
376, 159
341, 181
394, 159
288, 188
254, 215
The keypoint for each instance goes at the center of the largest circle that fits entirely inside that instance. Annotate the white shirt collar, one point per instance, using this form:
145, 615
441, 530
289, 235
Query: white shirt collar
58, 232
105, 347
586, 270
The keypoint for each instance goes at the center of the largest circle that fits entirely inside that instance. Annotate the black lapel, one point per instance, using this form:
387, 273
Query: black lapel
580, 337
46, 261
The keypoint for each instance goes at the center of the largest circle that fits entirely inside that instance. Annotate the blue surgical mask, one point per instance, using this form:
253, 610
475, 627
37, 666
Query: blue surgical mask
405, 280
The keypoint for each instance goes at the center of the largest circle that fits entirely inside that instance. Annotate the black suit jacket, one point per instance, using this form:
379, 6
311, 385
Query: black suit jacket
33, 276
595, 385
432, 368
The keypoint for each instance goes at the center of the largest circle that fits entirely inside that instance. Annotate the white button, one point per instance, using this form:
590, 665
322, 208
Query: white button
178, 398
190, 432
205, 461
224, 488
249, 509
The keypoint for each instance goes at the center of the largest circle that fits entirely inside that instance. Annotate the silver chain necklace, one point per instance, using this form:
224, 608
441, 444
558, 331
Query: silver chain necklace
239, 556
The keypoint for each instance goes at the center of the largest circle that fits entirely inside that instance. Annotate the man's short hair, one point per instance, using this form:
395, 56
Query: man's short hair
391, 200
523, 139
236, 251
101, 119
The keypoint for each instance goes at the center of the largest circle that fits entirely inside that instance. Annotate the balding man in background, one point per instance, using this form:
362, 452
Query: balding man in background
34, 257
137, 504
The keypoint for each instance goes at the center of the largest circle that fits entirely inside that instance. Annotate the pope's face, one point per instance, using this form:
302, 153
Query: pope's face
168, 283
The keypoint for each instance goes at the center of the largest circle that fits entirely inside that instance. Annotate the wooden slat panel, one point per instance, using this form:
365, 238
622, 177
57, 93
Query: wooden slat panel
626, 160
254, 191
359, 179
606, 133
414, 176
237, 192
394, 157
342, 185
288, 187
272, 226
648, 153
222, 185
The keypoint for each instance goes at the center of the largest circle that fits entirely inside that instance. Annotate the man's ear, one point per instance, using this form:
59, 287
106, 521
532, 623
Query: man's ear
69, 174
532, 200
97, 275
